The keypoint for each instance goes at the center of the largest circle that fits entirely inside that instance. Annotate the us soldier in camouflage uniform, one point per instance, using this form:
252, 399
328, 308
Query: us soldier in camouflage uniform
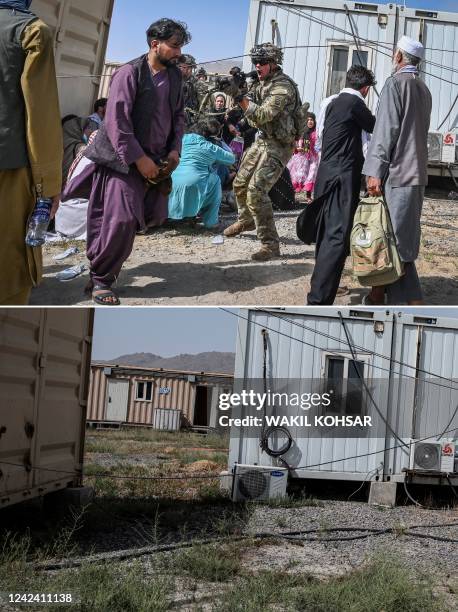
187, 64
277, 100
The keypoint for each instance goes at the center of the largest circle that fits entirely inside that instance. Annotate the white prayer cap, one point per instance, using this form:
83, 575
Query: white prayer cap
411, 46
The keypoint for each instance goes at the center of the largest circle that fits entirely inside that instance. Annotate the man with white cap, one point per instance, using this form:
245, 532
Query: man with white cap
397, 164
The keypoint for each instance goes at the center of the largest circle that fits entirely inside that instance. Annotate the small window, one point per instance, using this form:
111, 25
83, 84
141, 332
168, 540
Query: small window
344, 380
342, 57
144, 391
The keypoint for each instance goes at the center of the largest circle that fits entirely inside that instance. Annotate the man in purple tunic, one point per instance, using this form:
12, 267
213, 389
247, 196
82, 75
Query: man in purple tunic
143, 130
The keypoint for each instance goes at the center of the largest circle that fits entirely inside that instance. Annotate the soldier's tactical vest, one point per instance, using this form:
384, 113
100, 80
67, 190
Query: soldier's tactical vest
13, 143
283, 128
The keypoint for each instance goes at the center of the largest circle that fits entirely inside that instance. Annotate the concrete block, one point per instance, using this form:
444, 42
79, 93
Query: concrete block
383, 494
78, 496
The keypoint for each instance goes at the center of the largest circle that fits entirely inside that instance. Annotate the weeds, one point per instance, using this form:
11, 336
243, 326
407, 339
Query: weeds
208, 563
384, 584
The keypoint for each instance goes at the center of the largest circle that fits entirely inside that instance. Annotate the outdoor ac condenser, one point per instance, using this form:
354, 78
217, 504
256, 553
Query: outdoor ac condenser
258, 483
432, 456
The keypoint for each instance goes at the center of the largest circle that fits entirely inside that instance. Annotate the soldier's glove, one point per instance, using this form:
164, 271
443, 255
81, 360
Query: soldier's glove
242, 96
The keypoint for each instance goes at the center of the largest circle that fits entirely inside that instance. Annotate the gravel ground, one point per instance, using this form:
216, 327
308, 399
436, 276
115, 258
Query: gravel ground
183, 267
330, 558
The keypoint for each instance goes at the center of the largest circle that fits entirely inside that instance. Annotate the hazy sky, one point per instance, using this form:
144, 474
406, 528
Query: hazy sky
171, 331
162, 331
218, 28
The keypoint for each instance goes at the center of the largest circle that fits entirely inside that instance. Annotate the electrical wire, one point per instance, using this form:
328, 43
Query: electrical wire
297, 536
305, 343
363, 382
109, 476
409, 495
374, 43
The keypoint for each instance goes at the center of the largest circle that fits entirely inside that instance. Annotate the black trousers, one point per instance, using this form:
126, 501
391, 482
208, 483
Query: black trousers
333, 242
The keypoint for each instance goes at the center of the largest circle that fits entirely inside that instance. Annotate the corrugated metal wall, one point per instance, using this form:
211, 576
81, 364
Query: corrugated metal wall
427, 408
297, 353
81, 30
107, 74
416, 404
181, 396
308, 66
44, 371
440, 37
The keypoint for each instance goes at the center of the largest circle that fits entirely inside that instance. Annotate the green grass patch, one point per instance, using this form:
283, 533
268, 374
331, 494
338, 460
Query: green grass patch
105, 588
208, 563
385, 584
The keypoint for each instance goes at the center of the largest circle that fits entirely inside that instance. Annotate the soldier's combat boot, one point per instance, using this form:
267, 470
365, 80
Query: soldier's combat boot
238, 227
266, 252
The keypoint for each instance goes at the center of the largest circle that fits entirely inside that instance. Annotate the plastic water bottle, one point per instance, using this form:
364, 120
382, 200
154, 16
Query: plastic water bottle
39, 222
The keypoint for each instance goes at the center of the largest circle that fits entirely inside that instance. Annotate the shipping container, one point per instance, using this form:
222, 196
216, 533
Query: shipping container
132, 395
44, 382
408, 362
108, 71
80, 29
322, 39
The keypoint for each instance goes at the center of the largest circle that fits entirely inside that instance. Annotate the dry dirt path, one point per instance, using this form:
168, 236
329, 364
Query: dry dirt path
182, 266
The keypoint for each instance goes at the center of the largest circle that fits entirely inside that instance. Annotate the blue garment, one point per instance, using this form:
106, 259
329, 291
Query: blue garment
17, 5
196, 185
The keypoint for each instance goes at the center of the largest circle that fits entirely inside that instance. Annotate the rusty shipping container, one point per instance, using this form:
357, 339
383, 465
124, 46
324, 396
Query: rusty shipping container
80, 29
44, 382
131, 395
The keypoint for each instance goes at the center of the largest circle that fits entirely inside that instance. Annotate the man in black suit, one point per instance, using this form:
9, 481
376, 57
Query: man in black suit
339, 181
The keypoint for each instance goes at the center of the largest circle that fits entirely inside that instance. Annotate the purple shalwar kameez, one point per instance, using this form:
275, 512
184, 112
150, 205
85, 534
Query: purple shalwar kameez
122, 204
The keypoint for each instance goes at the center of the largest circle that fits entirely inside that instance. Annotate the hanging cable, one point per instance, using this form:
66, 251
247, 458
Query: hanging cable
361, 378
360, 348
358, 49
268, 432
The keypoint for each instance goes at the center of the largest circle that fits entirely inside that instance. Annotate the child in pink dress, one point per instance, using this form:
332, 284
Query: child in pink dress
303, 166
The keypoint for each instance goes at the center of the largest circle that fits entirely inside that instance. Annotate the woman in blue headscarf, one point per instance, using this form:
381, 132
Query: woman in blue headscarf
196, 185
30, 144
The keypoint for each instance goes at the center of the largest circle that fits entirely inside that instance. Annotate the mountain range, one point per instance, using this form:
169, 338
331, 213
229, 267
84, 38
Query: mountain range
213, 361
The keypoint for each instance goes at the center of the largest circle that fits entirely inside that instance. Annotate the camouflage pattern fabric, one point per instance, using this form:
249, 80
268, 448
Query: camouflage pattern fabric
191, 99
275, 101
272, 112
202, 89
261, 167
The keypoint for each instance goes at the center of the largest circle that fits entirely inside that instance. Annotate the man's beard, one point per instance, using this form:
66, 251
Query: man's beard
168, 63
394, 67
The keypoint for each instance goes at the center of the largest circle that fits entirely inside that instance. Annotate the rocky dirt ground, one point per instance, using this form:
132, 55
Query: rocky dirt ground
238, 566
182, 266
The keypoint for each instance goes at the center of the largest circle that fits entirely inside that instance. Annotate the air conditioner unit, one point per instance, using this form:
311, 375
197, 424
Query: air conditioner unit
258, 483
432, 456
435, 146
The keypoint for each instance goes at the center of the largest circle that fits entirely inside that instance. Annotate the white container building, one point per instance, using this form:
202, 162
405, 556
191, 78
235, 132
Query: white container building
322, 39
409, 362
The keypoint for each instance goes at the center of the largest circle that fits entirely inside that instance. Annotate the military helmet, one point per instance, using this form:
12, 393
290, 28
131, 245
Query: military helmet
201, 72
187, 60
266, 52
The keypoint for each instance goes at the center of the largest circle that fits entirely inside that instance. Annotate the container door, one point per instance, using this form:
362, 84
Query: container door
20, 347
60, 418
117, 401
80, 29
